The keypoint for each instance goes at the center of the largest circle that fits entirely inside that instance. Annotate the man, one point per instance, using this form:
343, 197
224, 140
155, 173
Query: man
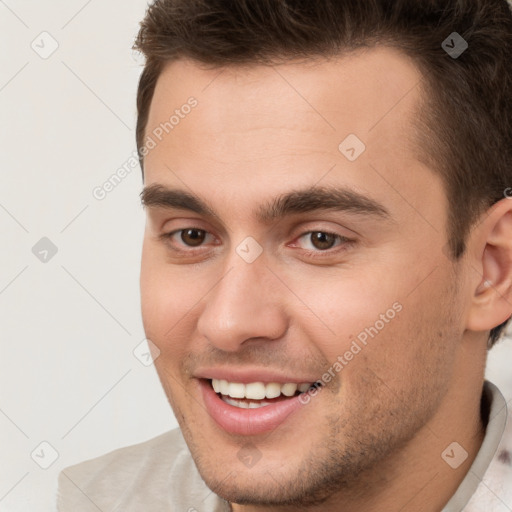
327, 258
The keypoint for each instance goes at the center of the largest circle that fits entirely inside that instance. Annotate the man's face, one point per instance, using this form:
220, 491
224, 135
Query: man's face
366, 285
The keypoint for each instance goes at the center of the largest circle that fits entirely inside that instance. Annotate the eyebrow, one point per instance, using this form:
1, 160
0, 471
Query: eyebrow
297, 201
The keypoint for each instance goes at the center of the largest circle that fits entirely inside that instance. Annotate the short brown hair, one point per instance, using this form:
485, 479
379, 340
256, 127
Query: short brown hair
464, 125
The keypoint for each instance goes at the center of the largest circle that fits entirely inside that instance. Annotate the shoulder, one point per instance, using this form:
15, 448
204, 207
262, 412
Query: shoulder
158, 451
156, 473
495, 487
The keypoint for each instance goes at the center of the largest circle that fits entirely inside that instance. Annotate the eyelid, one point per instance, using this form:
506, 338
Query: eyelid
336, 235
169, 235
344, 244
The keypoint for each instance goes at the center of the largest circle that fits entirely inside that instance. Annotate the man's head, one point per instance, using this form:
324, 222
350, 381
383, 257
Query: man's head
465, 121
327, 203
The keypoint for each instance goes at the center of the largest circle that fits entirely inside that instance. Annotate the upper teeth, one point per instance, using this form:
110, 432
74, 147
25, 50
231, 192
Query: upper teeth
257, 390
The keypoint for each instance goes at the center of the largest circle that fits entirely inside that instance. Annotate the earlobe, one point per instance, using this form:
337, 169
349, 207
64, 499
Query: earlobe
492, 298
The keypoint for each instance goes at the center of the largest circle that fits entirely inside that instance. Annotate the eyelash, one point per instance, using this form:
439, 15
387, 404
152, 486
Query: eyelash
344, 242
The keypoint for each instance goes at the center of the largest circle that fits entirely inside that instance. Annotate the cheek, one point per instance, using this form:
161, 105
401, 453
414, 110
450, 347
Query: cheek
167, 292
342, 307
383, 319
166, 300
419, 344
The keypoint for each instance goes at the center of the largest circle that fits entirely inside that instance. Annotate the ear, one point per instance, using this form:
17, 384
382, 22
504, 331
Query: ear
491, 247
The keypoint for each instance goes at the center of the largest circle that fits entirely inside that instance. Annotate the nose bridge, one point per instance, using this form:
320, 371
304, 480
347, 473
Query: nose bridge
242, 305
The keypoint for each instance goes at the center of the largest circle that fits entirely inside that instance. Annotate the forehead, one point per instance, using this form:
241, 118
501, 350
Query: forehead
299, 107
254, 127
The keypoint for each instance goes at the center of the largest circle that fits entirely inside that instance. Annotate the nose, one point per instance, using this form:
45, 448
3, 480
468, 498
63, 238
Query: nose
247, 303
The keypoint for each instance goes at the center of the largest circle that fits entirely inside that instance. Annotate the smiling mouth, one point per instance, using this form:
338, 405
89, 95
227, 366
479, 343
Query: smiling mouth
254, 395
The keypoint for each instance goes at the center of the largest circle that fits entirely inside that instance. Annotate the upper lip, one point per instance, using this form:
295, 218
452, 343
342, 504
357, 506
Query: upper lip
247, 375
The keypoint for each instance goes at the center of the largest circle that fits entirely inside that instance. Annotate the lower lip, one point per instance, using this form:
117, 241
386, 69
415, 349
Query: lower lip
247, 421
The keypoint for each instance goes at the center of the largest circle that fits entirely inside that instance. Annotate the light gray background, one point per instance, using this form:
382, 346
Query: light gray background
69, 326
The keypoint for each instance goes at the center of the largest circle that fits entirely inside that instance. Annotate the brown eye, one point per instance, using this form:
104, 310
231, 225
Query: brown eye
322, 241
193, 236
